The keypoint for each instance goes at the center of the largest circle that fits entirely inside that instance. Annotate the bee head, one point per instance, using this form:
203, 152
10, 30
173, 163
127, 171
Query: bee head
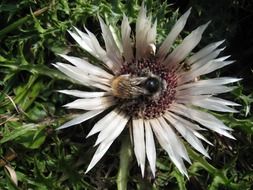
152, 85
147, 86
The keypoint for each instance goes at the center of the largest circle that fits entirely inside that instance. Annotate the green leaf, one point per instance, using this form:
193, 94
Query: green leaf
32, 139
17, 130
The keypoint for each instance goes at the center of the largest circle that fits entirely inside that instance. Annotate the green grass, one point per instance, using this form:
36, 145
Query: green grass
32, 33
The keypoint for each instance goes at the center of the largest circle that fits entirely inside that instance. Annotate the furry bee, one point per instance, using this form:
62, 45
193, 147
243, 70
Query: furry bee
129, 87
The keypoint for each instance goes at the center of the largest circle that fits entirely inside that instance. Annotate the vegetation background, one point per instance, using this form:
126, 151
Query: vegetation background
33, 155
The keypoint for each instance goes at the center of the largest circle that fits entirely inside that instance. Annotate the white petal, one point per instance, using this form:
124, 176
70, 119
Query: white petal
202, 138
101, 53
139, 143
145, 34
150, 147
190, 125
206, 59
104, 122
204, 90
83, 94
204, 52
209, 82
69, 70
151, 35
81, 118
112, 49
83, 40
205, 119
174, 140
91, 103
186, 133
205, 69
81, 77
87, 67
167, 146
126, 40
177, 28
90, 43
142, 26
180, 53
113, 129
206, 101
116, 37
211, 104
186, 98
193, 127
224, 102
101, 150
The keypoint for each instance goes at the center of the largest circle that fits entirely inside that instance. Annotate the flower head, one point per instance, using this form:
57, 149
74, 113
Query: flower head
157, 90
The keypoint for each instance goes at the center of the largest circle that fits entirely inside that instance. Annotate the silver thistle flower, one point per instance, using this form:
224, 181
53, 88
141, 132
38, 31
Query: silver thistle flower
155, 92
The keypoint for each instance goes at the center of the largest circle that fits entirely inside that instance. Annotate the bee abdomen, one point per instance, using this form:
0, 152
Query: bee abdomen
123, 87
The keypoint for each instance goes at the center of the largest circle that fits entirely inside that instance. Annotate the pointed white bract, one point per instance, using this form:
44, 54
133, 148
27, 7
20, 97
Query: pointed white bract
126, 40
145, 34
187, 45
86, 67
83, 94
204, 52
175, 31
105, 121
205, 69
186, 132
80, 119
112, 50
139, 143
91, 103
150, 146
209, 82
101, 150
178, 118
204, 60
111, 131
166, 144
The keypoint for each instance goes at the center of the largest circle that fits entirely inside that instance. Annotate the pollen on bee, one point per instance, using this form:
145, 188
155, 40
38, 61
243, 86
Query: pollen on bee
120, 87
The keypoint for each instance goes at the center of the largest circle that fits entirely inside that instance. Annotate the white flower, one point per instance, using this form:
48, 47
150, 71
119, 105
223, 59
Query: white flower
157, 93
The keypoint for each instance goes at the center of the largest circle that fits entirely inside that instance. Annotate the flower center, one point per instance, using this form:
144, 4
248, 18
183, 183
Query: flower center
150, 88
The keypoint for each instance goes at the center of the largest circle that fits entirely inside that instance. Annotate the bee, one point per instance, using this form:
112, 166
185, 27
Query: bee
185, 66
130, 87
